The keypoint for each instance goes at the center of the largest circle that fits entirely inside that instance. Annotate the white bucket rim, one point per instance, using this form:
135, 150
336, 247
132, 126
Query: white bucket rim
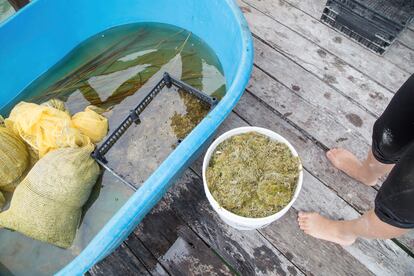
234, 217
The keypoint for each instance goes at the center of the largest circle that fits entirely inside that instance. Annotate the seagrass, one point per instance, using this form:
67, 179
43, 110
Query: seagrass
252, 176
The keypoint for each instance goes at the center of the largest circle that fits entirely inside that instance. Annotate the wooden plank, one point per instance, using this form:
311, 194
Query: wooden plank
177, 249
288, 109
321, 260
322, 257
407, 38
356, 86
121, 262
270, 61
381, 257
360, 197
397, 54
323, 266
338, 76
256, 111
246, 251
411, 25
403, 37
319, 119
363, 60
323, 205
145, 256
312, 155
402, 56
180, 259
316, 127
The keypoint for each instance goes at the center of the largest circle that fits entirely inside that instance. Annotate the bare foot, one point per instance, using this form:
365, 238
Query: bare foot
322, 228
349, 164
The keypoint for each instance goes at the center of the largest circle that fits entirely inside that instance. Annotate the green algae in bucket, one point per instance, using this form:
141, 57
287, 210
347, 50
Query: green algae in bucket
252, 175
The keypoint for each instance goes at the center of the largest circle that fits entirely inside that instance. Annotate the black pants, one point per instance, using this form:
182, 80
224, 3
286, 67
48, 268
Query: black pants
393, 143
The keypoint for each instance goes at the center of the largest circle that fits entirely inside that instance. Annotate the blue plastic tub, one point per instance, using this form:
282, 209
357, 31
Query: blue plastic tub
42, 33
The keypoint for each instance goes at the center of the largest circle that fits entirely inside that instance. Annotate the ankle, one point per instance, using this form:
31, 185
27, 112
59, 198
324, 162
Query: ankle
343, 231
369, 179
369, 175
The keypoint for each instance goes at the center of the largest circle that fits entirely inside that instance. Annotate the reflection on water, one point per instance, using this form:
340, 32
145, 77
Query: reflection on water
115, 70
113, 65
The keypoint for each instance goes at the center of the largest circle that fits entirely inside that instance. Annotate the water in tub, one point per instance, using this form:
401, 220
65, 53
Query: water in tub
115, 70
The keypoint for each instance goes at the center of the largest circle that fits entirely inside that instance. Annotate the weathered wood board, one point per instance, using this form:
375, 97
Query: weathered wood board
327, 198
176, 247
337, 74
407, 38
121, 262
379, 69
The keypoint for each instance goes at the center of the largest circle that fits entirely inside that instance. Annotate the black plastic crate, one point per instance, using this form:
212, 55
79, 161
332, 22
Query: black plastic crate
397, 11
373, 23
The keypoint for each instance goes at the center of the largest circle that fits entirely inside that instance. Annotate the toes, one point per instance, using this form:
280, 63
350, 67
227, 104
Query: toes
333, 151
303, 224
304, 215
329, 154
312, 214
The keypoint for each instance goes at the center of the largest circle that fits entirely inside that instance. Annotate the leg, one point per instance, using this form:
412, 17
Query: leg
393, 133
392, 216
367, 171
345, 232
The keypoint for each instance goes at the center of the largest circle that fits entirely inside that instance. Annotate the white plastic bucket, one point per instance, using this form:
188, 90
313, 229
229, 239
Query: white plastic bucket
236, 221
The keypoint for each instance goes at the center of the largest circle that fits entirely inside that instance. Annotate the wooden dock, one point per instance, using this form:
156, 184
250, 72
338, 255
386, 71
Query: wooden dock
319, 89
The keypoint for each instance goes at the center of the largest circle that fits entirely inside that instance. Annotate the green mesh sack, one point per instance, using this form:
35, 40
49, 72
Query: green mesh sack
14, 158
2, 200
47, 204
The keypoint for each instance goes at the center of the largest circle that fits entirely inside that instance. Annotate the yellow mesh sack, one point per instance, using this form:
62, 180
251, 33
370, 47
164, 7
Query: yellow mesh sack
46, 128
91, 124
55, 103
14, 158
47, 204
